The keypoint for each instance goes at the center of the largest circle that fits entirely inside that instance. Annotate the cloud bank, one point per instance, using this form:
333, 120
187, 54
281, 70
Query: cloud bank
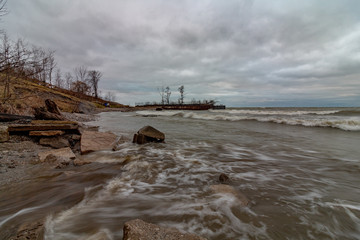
239, 52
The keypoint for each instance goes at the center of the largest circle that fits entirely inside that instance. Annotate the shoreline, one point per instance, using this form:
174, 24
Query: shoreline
20, 162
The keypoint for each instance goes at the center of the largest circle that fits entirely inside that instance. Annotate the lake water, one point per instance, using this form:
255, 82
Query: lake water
299, 167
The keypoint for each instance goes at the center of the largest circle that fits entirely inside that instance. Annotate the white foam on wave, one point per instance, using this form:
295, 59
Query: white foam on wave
21, 212
176, 178
158, 113
276, 112
351, 124
280, 117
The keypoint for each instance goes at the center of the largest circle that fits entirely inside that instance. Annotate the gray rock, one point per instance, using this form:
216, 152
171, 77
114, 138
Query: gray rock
4, 134
140, 230
148, 134
85, 107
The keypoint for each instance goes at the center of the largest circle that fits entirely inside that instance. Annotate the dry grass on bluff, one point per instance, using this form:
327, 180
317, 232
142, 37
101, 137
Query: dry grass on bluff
28, 94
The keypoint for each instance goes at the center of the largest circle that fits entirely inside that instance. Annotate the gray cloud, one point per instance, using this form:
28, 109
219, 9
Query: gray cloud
241, 52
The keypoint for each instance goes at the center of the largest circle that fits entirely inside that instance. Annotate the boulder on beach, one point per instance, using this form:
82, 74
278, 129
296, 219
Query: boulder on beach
85, 108
148, 134
140, 230
226, 189
96, 141
4, 134
61, 157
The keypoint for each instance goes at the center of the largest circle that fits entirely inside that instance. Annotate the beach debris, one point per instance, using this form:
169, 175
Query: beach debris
54, 142
227, 189
223, 178
4, 134
148, 134
92, 141
4, 117
43, 125
49, 112
138, 229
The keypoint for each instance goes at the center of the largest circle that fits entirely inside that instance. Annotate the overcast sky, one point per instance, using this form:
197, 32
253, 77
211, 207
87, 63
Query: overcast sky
239, 52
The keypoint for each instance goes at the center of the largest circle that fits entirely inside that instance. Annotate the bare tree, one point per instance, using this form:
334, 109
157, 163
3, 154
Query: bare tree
81, 73
58, 79
21, 57
3, 10
39, 63
162, 94
94, 78
16, 61
110, 96
68, 80
80, 87
168, 93
51, 64
43, 65
181, 90
6, 56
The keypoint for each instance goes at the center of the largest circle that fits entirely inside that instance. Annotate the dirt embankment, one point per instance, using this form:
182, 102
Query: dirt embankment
25, 95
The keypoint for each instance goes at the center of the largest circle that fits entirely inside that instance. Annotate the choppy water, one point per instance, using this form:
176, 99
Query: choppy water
300, 168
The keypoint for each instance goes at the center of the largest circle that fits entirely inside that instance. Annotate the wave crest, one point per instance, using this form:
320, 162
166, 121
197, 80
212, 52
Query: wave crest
301, 118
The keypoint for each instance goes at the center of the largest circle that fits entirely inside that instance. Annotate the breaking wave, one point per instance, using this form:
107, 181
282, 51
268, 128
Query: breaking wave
277, 112
301, 118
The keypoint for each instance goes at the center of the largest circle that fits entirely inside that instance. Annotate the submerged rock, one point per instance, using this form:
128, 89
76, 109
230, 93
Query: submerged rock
223, 178
148, 134
226, 189
96, 141
119, 142
31, 231
140, 230
4, 134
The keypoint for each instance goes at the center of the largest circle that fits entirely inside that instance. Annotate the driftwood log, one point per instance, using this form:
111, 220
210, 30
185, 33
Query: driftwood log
51, 112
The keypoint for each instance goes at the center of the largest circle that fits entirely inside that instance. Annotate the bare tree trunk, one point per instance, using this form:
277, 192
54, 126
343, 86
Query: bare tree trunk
94, 78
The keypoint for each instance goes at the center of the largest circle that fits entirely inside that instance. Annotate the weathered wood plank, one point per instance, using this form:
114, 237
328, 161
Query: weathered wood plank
52, 122
11, 117
40, 127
